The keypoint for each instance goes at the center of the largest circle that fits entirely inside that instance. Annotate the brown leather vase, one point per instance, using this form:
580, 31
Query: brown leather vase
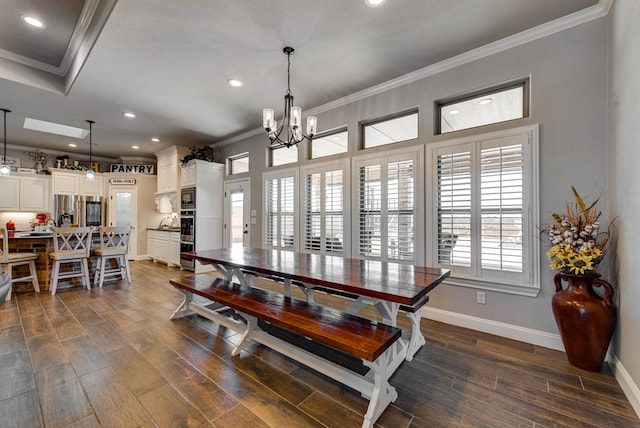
585, 320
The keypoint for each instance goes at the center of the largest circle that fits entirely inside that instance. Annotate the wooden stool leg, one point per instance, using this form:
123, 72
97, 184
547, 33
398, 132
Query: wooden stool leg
10, 273
96, 275
85, 273
103, 266
126, 264
54, 277
34, 276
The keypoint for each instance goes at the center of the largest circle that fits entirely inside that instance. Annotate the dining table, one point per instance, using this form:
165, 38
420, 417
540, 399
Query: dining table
390, 287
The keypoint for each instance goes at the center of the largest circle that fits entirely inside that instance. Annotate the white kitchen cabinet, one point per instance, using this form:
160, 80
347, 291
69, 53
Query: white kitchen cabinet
169, 168
76, 183
188, 175
174, 248
34, 194
10, 195
164, 246
25, 193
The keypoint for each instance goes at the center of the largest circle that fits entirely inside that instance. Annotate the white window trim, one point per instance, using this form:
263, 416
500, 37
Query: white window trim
282, 173
532, 288
415, 152
345, 166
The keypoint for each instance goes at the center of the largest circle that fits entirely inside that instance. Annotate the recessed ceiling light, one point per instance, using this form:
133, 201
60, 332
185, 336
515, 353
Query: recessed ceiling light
73, 145
235, 83
128, 114
486, 101
155, 140
135, 147
34, 22
454, 112
375, 3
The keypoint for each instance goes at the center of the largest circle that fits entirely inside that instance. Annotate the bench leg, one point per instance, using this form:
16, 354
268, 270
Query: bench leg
181, 310
417, 339
252, 323
383, 393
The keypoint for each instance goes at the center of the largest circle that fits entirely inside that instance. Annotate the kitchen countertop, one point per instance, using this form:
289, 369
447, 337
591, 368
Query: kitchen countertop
31, 235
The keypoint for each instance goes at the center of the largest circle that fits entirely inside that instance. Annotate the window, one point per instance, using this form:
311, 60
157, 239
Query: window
280, 210
329, 144
507, 102
283, 155
485, 207
239, 164
324, 211
386, 207
389, 131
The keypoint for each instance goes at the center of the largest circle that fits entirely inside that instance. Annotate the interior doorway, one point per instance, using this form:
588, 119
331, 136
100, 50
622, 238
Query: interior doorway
123, 212
237, 214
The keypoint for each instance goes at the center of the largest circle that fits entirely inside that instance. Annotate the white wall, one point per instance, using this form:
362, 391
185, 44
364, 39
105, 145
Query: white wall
568, 99
624, 184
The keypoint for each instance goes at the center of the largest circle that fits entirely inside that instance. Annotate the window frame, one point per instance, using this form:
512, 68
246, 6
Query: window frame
270, 157
474, 276
326, 167
364, 124
484, 92
281, 174
415, 153
232, 159
325, 135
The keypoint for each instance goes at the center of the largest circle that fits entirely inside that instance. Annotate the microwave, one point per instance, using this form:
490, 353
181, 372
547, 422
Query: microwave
188, 198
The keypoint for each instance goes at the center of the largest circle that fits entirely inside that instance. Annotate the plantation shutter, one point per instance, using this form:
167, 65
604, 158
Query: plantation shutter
501, 205
279, 199
387, 209
454, 206
324, 212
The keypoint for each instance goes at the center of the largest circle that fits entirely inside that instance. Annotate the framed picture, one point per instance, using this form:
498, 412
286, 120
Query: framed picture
13, 162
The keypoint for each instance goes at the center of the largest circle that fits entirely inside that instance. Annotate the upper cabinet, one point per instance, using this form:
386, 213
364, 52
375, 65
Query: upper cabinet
169, 168
76, 183
25, 193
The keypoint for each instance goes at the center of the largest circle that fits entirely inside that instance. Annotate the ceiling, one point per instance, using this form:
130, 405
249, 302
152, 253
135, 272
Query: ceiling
169, 61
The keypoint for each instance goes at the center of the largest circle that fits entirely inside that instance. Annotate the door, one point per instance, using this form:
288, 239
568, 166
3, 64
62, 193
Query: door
123, 212
237, 214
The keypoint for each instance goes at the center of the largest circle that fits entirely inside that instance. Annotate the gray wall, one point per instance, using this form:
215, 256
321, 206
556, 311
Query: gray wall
568, 99
624, 174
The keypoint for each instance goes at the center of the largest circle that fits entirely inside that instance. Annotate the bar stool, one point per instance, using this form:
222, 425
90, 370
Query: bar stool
114, 245
10, 260
70, 245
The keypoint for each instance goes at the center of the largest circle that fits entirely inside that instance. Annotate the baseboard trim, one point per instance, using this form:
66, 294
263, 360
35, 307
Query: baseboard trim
528, 335
627, 384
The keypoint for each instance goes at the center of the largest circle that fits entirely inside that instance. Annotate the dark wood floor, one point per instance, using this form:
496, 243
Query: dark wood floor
111, 357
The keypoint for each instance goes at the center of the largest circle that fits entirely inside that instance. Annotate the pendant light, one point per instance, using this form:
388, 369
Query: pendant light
289, 131
5, 169
90, 174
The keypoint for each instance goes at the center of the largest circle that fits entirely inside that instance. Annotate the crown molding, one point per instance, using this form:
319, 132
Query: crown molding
582, 16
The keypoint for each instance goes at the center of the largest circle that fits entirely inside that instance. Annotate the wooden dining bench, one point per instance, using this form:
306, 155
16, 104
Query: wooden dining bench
371, 341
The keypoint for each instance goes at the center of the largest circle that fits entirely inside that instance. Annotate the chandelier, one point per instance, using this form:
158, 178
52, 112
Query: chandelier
289, 131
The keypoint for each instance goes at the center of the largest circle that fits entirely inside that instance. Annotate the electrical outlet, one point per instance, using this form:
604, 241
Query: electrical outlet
480, 297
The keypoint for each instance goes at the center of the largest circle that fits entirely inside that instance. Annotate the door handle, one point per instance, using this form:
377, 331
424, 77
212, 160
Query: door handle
245, 232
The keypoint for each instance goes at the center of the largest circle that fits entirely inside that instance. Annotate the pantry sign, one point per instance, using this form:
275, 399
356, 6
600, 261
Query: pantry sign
133, 168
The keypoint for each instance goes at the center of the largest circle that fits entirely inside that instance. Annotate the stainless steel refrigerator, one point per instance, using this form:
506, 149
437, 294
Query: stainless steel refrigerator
80, 210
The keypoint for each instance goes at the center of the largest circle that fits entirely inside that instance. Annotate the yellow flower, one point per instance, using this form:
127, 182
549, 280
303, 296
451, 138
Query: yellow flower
581, 265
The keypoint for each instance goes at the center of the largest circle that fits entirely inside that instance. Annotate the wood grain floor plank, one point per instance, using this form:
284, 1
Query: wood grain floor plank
46, 351
15, 374
29, 305
67, 327
105, 336
133, 371
61, 397
87, 422
607, 402
331, 413
147, 345
84, 354
21, 411
274, 410
12, 339
37, 325
9, 315
287, 387
239, 416
113, 403
169, 409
